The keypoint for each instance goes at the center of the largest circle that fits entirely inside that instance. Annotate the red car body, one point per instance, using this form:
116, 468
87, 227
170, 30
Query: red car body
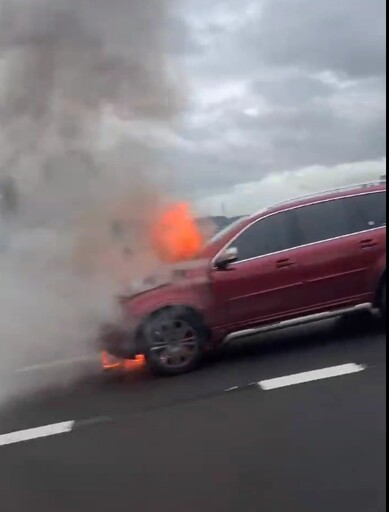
296, 262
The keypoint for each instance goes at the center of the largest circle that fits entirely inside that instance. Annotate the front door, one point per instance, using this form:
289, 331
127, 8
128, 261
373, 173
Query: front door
266, 282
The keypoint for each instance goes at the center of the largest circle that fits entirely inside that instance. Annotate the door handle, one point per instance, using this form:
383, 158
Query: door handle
285, 263
366, 244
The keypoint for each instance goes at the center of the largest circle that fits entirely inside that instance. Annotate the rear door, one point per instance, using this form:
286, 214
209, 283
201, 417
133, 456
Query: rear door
368, 215
337, 251
266, 282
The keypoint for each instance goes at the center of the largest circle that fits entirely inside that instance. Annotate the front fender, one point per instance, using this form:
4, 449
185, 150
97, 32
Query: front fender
142, 306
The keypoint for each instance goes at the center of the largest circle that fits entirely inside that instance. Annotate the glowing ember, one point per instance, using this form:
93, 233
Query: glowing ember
176, 236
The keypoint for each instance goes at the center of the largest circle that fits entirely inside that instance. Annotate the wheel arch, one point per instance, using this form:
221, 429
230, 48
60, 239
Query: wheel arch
381, 283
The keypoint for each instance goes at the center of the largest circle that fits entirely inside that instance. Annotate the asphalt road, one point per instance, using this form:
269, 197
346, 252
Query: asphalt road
188, 445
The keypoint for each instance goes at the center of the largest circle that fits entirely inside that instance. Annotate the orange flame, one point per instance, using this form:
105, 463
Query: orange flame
176, 235
110, 363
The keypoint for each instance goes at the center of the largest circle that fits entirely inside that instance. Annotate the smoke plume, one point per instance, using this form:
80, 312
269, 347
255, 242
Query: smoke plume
77, 192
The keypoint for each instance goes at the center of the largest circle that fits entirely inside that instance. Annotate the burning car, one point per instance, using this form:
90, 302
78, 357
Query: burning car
301, 261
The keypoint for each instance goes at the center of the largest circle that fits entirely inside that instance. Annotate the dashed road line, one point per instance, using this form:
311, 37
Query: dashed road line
234, 388
264, 385
312, 376
36, 433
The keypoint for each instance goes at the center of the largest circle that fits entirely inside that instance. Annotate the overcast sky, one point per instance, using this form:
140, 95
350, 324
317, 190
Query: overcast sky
276, 86
277, 98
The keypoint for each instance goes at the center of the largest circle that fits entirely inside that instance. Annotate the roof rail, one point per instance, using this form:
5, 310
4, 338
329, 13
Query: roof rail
330, 191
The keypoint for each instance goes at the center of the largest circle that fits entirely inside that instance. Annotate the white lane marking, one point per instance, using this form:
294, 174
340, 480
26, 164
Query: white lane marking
56, 364
301, 378
36, 433
234, 388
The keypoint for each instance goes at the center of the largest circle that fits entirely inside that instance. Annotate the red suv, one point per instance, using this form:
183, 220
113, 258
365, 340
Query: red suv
297, 262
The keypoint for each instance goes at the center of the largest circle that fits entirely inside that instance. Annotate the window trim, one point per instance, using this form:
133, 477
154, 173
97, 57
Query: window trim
228, 244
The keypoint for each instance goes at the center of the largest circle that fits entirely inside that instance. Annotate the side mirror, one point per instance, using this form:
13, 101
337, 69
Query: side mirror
226, 258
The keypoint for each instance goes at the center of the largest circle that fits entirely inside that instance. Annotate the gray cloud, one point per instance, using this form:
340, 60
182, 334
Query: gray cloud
346, 36
342, 35
238, 148
282, 85
295, 91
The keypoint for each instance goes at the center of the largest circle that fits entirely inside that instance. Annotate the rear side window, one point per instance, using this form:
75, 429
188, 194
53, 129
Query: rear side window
368, 211
322, 221
341, 217
272, 234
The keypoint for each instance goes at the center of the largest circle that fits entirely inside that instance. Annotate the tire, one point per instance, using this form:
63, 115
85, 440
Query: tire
175, 341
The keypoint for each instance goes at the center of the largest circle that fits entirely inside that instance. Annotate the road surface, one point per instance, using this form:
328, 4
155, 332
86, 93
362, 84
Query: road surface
233, 437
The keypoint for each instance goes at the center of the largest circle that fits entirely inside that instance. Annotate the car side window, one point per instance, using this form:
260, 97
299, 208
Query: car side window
269, 235
368, 211
322, 221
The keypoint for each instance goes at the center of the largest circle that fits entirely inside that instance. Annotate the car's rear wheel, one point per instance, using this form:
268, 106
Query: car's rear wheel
175, 341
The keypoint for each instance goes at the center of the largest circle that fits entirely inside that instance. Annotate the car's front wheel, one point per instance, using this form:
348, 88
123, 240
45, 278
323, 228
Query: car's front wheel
175, 341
